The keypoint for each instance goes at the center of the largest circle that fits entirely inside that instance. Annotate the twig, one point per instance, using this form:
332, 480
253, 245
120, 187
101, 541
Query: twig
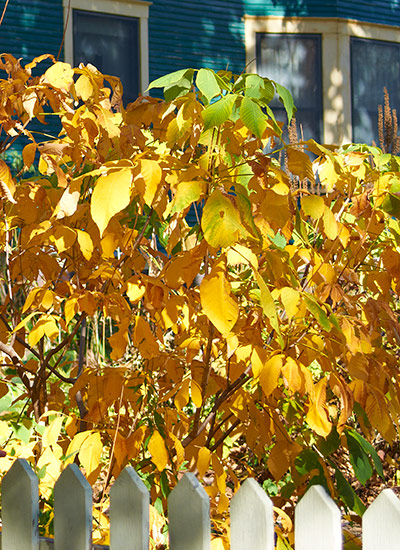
4, 12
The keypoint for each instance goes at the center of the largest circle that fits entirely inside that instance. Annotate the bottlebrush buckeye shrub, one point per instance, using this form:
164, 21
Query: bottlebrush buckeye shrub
259, 339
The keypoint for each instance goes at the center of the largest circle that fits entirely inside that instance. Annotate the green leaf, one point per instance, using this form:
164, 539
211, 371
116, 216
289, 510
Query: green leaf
271, 115
359, 459
329, 444
391, 203
368, 448
207, 84
348, 494
286, 97
253, 117
168, 79
318, 312
178, 89
220, 111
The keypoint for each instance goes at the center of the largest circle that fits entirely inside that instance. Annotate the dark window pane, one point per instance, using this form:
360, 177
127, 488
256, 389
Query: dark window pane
374, 65
110, 43
294, 60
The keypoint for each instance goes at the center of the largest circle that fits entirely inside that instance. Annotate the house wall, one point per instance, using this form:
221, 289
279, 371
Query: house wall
31, 28
196, 34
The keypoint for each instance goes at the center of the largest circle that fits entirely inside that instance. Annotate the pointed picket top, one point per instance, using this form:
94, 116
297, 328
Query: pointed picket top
20, 508
72, 511
129, 512
252, 524
189, 516
317, 522
381, 522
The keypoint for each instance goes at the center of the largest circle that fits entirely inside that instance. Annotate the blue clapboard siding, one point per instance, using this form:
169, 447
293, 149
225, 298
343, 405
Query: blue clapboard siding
196, 34
374, 11
31, 28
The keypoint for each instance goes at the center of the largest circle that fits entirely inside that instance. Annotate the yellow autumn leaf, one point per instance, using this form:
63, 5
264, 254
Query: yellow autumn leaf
182, 396
270, 373
150, 175
290, 298
135, 289
84, 87
63, 237
313, 205
90, 452
195, 393
317, 415
158, 451
60, 75
293, 375
267, 302
52, 432
75, 445
70, 308
68, 204
217, 301
85, 243
110, 195
239, 254
45, 326
48, 299
330, 224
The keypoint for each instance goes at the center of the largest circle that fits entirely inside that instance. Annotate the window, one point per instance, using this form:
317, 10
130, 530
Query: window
110, 43
294, 60
374, 65
113, 36
347, 67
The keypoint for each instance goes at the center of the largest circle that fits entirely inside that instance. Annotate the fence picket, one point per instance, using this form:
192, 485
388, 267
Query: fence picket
129, 512
381, 523
20, 508
317, 522
317, 518
189, 516
252, 524
72, 511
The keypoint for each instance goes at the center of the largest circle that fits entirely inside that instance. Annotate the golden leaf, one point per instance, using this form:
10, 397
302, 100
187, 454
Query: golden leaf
90, 452
203, 461
158, 451
68, 204
111, 194
317, 415
270, 373
182, 396
313, 205
52, 432
84, 87
85, 242
216, 299
290, 300
60, 75
330, 224
150, 176
28, 154
195, 393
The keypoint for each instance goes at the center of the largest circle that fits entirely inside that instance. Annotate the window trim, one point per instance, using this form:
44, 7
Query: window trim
336, 68
138, 9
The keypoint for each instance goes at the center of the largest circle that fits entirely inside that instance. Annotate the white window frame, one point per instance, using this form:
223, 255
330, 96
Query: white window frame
335, 55
128, 8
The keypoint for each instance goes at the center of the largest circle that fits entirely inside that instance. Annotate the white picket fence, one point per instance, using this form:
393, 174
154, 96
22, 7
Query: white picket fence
317, 518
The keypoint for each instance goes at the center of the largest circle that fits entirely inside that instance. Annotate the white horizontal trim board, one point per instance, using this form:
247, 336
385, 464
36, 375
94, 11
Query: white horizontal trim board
317, 518
336, 80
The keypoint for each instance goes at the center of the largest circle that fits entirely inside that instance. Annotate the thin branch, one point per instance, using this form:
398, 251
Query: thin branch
4, 12
65, 29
